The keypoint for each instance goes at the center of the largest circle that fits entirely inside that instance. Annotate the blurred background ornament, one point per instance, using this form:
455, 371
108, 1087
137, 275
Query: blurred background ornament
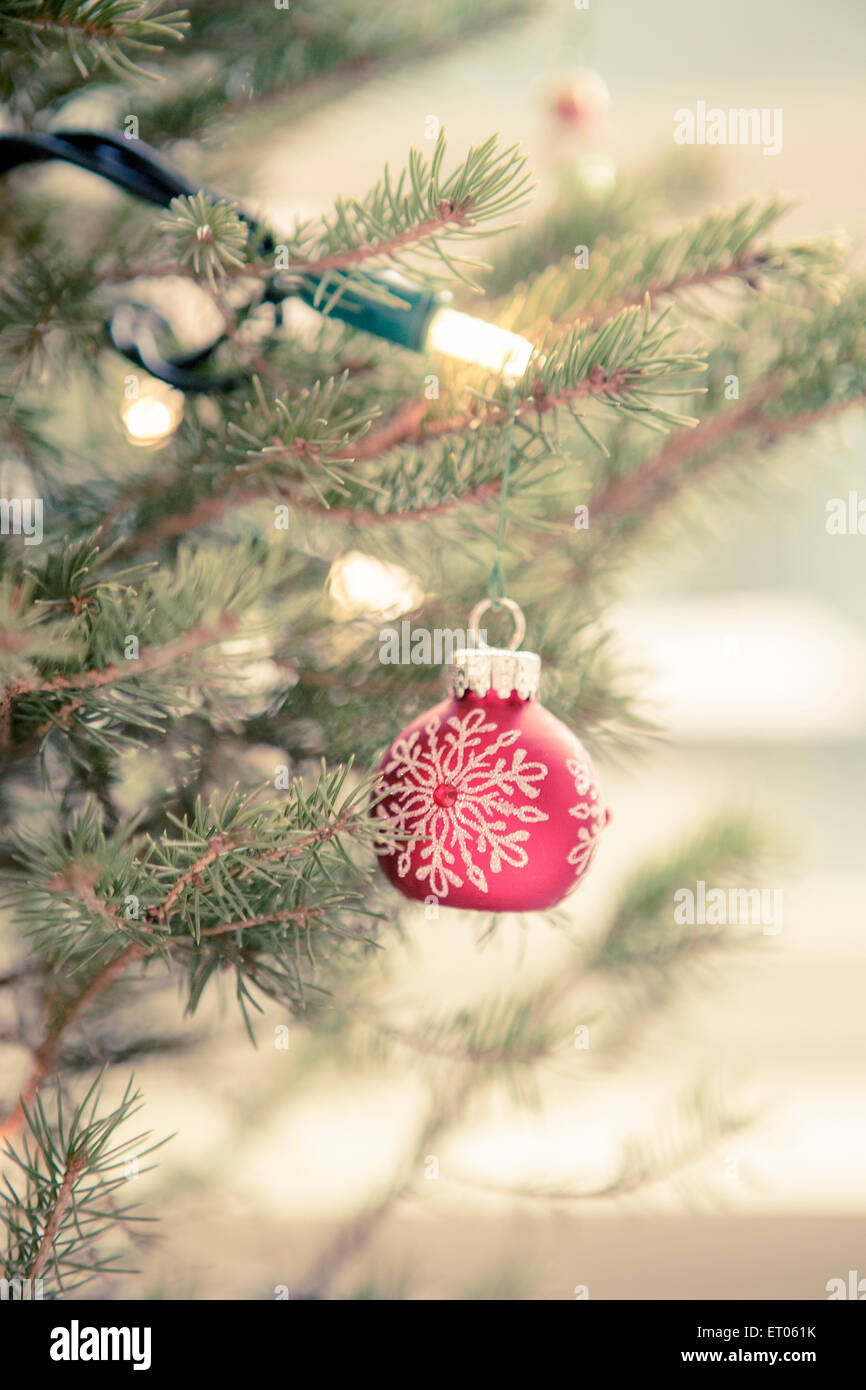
582, 101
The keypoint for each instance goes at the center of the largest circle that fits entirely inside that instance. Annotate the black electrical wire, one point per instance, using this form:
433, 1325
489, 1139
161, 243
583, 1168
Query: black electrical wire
130, 164
133, 166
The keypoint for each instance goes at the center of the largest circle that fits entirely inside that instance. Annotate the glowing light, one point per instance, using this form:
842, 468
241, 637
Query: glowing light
474, 340
360, 584
150, 417
597, 175
252, 676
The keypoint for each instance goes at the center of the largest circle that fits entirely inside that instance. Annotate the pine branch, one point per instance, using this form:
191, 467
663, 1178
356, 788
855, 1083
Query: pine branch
700, 1123
55, 1220
412, 213
150, 660
45, 1053
44, 300
208, 236
54, 616
92, 33
643, 931
297, 60
814, 379
72, 1168
657, 478
404, 221
241, 883
623, 368
724, 247
275, 446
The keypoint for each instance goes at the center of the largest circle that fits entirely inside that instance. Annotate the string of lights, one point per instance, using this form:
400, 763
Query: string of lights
381, 303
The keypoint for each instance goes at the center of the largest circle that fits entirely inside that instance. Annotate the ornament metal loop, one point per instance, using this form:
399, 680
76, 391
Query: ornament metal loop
516, 612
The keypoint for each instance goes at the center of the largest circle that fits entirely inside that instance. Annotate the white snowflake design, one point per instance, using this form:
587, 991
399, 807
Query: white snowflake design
590, 809
455, 796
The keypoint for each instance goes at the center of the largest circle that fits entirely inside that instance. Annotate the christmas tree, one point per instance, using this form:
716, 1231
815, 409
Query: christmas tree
226, 574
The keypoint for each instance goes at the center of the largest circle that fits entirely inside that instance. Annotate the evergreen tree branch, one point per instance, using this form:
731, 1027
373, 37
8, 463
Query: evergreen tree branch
268, 864
92, 32
699, 1125
68, 611
153, 659
813, 377
45, 1053
45, 1248
656, 477
409, 215
724, 247
623, 368
720, 439
403, 221
150, 661
72, 1169
297, 59
644, 942
47, 1050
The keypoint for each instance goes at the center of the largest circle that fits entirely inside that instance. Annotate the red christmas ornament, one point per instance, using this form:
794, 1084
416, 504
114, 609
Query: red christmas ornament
494, 800
581, 101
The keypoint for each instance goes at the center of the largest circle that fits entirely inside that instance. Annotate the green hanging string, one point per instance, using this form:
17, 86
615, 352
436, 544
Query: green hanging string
496, 584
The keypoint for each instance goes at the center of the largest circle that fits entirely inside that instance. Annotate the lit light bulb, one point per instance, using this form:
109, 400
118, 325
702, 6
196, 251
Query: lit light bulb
150, 417
251, 675
360, 584
475, 340
597, 175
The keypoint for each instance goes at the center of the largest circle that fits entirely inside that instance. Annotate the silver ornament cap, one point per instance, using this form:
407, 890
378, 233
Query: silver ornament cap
480, 668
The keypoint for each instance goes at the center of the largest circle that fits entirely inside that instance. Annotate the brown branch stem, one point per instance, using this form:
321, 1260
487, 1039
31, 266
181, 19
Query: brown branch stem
704, 446
53, 1224
446, 217
626, 493
741, 267
151, 659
